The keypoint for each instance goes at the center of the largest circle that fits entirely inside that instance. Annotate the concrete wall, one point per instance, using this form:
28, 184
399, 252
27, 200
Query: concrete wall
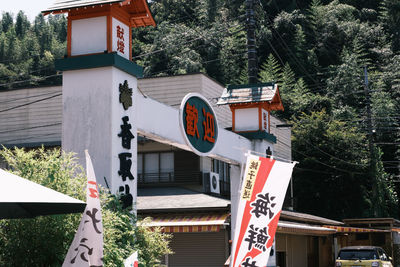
92, 120
171, 90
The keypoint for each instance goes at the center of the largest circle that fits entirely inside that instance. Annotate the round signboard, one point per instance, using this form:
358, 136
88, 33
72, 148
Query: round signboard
198, 124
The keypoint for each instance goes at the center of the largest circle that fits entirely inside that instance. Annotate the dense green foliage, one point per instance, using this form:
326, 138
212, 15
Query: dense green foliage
28, 50
44, 241
314, 49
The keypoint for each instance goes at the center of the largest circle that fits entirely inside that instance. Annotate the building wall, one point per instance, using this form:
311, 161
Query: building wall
171, 90
34, 115
31, 116
199, 249
295, 249
283, 146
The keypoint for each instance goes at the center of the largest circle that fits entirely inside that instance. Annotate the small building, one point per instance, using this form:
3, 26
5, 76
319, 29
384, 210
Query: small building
381, 232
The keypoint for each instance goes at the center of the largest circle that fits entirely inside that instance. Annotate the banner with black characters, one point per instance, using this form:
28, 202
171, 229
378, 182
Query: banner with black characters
263, 191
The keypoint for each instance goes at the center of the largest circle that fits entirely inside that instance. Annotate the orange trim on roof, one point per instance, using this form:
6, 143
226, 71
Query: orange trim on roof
189, 223
342, 229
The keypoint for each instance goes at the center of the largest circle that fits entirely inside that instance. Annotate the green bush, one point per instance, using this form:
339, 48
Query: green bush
44, 240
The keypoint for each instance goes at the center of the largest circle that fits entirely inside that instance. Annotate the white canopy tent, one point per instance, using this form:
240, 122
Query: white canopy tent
21, 198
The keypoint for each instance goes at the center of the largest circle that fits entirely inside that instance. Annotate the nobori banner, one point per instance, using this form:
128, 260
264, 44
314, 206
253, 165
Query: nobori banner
263, 191
198, 124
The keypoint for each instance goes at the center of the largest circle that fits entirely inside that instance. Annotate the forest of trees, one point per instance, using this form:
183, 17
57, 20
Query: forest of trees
318, 51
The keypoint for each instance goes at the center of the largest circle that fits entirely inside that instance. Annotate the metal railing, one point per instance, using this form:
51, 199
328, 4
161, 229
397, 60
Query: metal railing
173, 177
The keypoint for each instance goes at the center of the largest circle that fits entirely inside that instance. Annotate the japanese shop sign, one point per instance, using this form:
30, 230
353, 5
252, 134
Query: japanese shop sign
260, 204
120, 38
87, 247
127, 161
198, 124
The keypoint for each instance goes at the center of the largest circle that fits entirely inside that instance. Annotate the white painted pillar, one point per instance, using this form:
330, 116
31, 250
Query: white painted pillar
92, 119
235, 173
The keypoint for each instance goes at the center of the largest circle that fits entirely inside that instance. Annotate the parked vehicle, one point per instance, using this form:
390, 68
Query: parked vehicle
363, 256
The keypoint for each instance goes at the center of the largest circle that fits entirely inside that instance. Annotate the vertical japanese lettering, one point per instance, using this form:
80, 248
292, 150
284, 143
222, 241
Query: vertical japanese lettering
208, 124
192, 117
126, 133
125, 166
120, 39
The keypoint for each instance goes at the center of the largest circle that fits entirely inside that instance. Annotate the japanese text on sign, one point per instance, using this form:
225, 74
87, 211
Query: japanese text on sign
250, 179
120, 39
126, 135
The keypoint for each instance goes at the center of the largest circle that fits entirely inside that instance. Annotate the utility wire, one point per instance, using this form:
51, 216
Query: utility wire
30, 128
27, 97
29, 103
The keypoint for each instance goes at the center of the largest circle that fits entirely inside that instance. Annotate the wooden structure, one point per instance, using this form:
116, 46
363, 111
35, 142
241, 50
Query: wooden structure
102, 26
251, 106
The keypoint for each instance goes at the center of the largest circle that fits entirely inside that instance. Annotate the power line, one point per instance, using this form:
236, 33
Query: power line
192, 40
322, 163
27, 97
32, 79
333, 157
30, 128
29, 103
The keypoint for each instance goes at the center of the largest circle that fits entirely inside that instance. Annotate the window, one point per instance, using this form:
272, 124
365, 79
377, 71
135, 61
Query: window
156, 167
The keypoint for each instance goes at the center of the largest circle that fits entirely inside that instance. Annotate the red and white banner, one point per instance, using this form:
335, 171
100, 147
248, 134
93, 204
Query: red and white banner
132, 260
87, 247
263, 191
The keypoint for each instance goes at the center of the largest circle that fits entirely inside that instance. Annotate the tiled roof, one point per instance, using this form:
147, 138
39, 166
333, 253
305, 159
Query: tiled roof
304, 217
66, 4
264, 92
172, 198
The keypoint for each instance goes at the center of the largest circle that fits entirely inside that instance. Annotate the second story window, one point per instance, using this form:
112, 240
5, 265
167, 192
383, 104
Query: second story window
156, 167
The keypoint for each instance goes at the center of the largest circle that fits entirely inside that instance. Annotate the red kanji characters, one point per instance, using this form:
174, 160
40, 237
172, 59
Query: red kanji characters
208, 124
192, 117
120, 46
92, 187
120, 33
265, 121
120, 41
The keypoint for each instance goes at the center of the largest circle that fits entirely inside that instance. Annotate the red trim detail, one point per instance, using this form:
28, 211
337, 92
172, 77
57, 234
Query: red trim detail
261, 179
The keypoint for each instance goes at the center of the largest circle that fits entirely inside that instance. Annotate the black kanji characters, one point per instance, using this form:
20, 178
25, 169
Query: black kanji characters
257, 237
126, 197
87, 250
125, 95
125, 164
92, 215
248, 264
263, 205
126, 133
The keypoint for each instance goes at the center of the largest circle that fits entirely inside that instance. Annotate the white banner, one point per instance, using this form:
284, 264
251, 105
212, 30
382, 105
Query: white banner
132, 260
263, 191
87, 247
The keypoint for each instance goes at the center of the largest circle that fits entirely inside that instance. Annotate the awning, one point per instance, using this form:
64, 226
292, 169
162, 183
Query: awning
304, 229
190, 223
341, 229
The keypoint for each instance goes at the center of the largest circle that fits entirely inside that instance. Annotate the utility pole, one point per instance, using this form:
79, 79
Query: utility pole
251, 43
372, 162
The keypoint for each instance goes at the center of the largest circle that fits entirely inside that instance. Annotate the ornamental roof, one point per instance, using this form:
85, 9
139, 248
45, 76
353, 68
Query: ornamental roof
68, 4
138, 10
252, 93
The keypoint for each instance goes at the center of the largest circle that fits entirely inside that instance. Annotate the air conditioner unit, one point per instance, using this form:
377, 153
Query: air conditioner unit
211, 182
214, 183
